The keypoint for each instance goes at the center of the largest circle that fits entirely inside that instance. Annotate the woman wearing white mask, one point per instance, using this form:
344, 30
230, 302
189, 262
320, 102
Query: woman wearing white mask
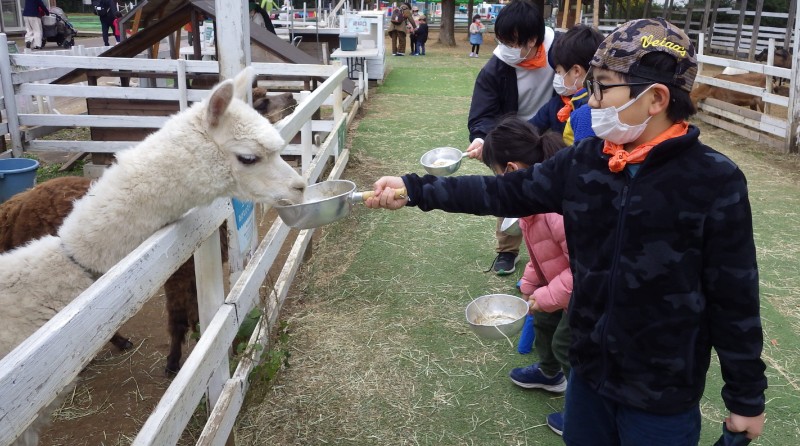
516, 80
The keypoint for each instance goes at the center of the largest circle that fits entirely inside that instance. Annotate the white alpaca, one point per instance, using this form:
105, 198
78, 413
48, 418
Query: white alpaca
217, 148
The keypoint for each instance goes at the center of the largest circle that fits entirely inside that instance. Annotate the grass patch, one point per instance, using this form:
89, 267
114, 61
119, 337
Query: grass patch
380, 350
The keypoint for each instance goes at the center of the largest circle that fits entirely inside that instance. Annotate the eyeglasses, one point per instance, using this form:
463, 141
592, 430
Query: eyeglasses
595, 88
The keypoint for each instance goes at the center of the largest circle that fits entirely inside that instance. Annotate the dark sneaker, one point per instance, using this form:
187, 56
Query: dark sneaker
532, 378
27, 44
555, 421
400, 54
505, 263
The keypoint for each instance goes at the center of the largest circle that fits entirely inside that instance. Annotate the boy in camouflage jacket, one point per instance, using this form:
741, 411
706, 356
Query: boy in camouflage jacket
660, 236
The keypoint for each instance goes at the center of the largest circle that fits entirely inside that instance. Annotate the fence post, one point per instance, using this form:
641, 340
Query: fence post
184, 103
306, 142
794, 95
210, 296
10, 98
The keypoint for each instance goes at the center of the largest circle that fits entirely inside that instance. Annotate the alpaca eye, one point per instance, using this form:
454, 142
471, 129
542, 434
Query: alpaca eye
248, 159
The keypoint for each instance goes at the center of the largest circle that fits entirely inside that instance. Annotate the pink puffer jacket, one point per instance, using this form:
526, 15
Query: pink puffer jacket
547, 276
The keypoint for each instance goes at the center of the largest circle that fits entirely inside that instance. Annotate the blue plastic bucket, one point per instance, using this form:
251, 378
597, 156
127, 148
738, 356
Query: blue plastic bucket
16, 175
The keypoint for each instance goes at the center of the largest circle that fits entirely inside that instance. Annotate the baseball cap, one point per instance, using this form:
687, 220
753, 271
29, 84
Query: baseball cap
622, 51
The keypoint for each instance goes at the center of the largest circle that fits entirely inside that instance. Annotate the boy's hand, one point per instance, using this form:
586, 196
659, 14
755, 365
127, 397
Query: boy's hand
384, 194
752, 425
475, 149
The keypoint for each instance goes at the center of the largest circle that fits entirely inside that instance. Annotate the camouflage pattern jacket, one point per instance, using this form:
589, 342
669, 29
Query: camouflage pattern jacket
664, 266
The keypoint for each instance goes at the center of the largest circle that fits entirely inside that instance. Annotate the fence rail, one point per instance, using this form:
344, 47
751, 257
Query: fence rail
34, 373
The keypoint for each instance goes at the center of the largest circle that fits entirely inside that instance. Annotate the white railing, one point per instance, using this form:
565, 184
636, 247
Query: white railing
34, 373
752, 124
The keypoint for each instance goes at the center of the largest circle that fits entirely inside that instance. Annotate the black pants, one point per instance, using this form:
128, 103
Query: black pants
476, 48
107, 27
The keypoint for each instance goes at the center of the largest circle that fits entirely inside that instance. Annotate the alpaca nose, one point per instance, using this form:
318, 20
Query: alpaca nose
299, 186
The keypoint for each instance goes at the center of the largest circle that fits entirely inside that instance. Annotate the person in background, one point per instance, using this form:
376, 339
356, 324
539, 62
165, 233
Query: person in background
264, 9
422, 35
660, 235
569, 56
516, 79
31, 14
116, 26
397, 28
476, 30
412, 33
547, 281
256, 18
107, 11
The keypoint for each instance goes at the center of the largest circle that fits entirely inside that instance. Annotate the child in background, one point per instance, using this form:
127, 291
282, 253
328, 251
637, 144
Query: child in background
476, 30
422, 35
547, 281
569, 56
660, 233
117, 17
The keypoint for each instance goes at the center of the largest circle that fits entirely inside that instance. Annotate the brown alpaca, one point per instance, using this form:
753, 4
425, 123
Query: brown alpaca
275, 107
40, 211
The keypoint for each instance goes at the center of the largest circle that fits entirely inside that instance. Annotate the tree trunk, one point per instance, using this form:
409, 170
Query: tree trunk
446, 36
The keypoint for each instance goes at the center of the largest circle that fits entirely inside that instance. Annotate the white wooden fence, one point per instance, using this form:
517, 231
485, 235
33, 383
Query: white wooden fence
771, 130
34, 373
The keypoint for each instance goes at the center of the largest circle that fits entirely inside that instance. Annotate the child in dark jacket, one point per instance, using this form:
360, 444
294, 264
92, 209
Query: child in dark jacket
422, 35
660, 236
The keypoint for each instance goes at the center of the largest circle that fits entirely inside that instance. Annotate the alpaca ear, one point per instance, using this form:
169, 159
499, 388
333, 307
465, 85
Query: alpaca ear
218, 102
243, 83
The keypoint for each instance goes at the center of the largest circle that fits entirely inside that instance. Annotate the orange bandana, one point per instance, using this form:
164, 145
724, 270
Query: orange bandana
539, 60
563, 114
619, 157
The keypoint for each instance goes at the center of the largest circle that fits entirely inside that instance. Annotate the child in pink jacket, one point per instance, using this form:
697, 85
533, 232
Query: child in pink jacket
547, 281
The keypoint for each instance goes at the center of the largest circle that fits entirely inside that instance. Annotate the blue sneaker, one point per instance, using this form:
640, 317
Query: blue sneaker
532, 378
555, 421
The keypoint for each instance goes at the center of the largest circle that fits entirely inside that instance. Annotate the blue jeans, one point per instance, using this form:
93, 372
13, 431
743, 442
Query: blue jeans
592, 420
421, 48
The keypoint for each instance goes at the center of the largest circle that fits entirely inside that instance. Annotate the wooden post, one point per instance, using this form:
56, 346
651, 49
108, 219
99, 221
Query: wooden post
710, 34
564, 14
687, 24
787, 41
627, 10
667, 13
756, 23
794, 93
210, 296
306, 142
10, 98
704, 20
647, 6
596, 14
742, 10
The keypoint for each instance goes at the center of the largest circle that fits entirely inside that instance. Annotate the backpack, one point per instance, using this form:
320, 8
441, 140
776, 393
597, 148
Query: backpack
397, 16
101, 7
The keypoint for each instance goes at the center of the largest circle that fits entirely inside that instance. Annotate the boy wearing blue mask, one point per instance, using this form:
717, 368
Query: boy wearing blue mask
660, 236
569, 56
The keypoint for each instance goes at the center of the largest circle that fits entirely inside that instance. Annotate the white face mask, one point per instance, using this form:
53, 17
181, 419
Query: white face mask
560, 88
512, 56
606, 123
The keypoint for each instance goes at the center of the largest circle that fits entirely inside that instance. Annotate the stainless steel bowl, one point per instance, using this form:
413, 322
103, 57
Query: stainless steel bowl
494, 315
510, 226
324, 203
441, 161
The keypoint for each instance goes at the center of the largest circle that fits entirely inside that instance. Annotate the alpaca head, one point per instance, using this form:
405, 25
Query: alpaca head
250, 146
274, 107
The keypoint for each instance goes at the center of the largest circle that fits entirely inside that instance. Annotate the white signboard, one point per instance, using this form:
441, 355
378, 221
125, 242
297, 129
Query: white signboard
357, 25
